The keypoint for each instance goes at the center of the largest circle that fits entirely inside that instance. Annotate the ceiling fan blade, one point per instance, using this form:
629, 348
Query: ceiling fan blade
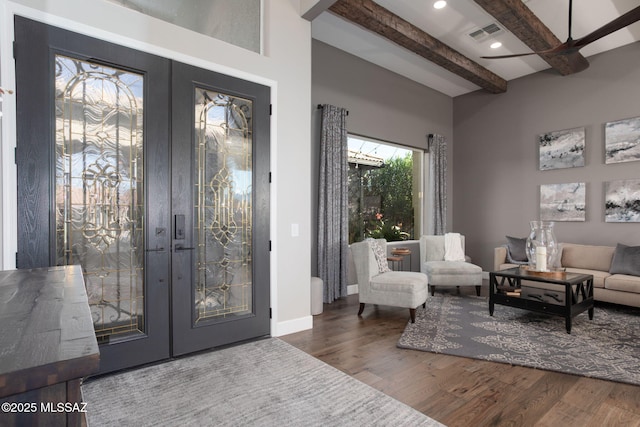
577, 62
623, 21
515, 55
560, 49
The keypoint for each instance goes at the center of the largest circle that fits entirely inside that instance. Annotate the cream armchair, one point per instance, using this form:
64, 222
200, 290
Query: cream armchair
446, 273
378, 285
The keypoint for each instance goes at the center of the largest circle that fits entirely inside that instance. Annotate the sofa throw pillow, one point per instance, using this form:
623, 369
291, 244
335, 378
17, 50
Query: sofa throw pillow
517, 250
381, 256
626, 260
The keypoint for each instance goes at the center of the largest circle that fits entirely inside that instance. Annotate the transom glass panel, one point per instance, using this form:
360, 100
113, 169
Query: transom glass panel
223, 209
237, 21
99, 189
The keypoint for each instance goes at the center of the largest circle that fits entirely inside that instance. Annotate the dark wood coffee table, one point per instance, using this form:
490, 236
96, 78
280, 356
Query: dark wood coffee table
506, 288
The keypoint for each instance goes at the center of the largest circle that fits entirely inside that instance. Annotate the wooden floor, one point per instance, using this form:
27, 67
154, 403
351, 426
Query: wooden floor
458, 391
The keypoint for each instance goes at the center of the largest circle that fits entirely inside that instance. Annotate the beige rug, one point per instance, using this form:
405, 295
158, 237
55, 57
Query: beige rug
262, 383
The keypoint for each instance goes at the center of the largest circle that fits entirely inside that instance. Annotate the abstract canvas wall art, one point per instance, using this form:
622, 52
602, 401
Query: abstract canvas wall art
562, 149
622, 201
622, 140
563, 202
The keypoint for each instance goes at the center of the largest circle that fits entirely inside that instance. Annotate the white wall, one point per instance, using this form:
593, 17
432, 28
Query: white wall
285, 67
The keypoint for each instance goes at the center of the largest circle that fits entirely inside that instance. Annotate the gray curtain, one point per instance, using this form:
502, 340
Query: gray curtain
437, 147
333, 210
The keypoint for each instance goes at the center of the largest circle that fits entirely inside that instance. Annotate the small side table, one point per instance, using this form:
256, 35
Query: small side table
397, 262
397, 258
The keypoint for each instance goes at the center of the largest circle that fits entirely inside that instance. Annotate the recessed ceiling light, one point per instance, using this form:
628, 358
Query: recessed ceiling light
439, 4
495, 45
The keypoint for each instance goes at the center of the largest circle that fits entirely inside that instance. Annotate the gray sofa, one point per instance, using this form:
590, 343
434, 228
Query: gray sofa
589, 259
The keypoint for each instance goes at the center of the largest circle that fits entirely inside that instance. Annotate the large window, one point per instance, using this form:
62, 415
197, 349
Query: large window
384, 190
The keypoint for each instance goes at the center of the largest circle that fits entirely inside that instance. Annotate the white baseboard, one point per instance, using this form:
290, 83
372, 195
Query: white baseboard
287, 327
291, 326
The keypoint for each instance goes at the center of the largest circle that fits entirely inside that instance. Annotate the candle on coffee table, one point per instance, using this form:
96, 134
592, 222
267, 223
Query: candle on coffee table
541, 258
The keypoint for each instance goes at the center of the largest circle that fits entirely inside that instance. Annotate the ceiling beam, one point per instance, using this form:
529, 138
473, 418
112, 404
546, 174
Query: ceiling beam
379, 20
515, 16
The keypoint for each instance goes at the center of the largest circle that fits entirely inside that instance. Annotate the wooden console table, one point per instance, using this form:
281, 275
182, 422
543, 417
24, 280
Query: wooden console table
47, 345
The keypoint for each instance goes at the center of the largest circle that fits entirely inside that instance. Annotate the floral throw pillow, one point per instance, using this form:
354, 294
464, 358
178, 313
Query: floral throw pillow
381, 256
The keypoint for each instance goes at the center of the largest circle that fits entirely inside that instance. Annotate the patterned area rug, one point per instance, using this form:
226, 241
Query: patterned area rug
607, 347
261, 383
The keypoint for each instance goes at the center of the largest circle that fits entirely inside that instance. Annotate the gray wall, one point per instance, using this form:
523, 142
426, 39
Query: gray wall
381, 105
496, 155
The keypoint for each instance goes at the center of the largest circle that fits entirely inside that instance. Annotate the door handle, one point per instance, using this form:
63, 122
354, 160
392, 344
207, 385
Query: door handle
155, 250
179, 227
180, 248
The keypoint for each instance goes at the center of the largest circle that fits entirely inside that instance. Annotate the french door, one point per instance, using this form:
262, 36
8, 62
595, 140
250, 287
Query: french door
152, 175
220, 199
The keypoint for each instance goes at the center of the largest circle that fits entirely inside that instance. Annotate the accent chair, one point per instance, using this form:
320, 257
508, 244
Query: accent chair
378, 285
443, 273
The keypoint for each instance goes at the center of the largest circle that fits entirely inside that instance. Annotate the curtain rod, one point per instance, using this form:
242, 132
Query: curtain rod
320, 107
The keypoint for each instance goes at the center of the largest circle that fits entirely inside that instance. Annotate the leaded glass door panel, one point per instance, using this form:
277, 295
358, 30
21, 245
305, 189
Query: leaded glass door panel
220, 202
99, 190
222, 206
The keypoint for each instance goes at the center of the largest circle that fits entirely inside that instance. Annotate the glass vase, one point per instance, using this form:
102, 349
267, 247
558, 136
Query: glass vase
542, 247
